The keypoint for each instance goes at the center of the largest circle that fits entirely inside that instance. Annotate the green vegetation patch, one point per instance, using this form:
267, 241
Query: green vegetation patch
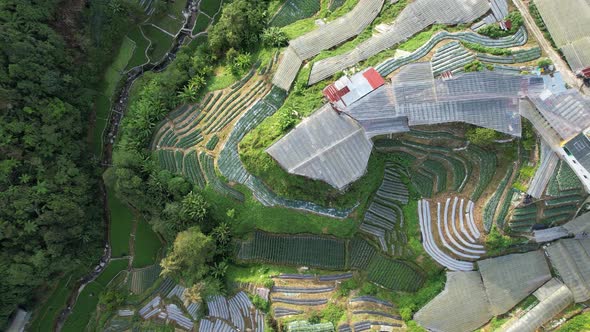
295, 250
83, 309
147, 245
210, 7
121, 225
201, 23
394, 274
115, 266
46, 315
161, 42
141, 44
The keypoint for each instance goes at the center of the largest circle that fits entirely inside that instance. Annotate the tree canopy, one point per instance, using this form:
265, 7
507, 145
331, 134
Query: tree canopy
50, 220
239, 27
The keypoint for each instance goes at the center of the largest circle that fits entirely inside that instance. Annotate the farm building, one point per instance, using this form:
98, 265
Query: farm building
568, 23
346, 90
486, 99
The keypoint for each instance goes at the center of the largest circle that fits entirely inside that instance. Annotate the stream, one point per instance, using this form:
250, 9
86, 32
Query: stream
119, 106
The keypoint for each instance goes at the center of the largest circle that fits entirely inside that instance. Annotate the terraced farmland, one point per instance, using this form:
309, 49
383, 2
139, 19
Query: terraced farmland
294, 10
181, 139
384, 219
394, 274
295, 250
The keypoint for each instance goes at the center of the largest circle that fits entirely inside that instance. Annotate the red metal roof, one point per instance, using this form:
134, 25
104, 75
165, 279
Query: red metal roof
586, 72
333, 94
373, 77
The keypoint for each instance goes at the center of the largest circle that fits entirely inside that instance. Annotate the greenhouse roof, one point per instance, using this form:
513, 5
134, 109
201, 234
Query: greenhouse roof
326, 146
579, 146
554, 297
461, 306
509, 279
568, 23
571, 259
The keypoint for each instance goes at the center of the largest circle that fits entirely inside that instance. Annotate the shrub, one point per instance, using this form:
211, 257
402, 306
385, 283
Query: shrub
274, 37
494, 30
481, 136
473, 66
260, 303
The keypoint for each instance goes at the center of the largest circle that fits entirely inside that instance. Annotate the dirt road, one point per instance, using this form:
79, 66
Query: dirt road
560, 65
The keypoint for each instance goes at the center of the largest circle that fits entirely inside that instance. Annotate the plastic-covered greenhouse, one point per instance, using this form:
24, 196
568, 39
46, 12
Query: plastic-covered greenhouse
326, 146
414, 18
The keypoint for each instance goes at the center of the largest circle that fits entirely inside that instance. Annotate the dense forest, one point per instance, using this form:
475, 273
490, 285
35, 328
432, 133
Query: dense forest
50, 65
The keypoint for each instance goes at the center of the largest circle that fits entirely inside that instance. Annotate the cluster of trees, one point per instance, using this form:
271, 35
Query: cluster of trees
239, 27
494, 30
50, 220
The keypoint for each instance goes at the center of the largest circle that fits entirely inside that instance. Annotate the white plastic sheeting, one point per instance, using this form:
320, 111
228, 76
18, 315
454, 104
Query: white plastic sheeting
326, 146
414, 18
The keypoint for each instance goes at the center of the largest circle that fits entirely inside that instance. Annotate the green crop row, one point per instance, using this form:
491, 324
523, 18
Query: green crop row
166, 160
422, 183
295, 10
459, 169
208, 167
394, 274
192, 169
559, 210
487, 168
235, 109
361, 253
504, 208
439, 170
564, 200
490, 208
212, 143
295, 250
190, 140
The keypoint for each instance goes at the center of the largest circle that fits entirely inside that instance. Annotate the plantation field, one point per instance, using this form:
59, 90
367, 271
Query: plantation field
394, 274
121, 225
85, 306
295, 10
201, 23
161, 42
141, 44
171, 19
111, 78
102, 107
117, 68
115, 266
147, 245
210, 7
295, 250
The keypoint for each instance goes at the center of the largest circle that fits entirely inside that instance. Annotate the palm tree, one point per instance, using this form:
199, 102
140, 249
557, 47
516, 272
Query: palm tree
219, 270
193, 293
169, 265
222, 233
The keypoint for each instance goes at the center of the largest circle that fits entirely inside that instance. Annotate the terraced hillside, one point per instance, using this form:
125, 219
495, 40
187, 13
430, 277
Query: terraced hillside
302, 250
295, 297
560, 203
187, 141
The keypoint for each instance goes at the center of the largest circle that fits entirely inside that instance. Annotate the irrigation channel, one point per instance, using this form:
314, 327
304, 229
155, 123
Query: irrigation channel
118, 108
